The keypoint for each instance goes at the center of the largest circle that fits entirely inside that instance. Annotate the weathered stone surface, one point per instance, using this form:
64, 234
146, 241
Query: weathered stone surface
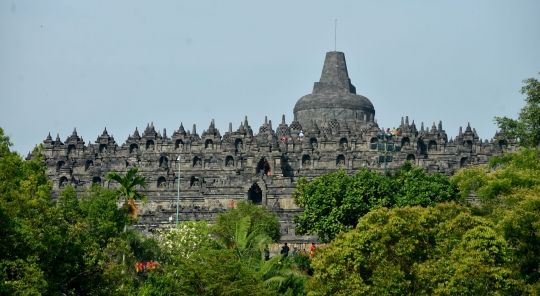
216, 170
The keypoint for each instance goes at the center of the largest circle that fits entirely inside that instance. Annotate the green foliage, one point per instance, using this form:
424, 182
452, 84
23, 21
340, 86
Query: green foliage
261, 222
441, 250
527, 127
504, 176
334, 202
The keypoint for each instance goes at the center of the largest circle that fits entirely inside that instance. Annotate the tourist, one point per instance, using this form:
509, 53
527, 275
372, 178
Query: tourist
394, 131
285, 250
312, 250
283, 138
301, 135
231, 204
295, 252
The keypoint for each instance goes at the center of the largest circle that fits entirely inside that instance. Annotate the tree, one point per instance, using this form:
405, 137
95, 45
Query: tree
509, 191
128, 188
260, 222
527, 127
334, 202
441, 250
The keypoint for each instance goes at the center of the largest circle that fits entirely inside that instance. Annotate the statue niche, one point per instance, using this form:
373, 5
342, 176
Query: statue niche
306, 161
63, 182
163, 162
238, 144
432, 146
150, 145
71, 149
229, 161
89, 165
133, 149
410, 157
179, 145
59, 165
103, 148
340, 160
405, 142
96, 180
161, 183
313, 142
194, 182
343, 143
197, 162
209, 144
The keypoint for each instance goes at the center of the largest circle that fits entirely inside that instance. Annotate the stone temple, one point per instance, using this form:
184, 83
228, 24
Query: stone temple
261, 165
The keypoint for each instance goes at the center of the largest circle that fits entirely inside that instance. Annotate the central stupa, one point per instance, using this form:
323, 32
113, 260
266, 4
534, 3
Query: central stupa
334, 97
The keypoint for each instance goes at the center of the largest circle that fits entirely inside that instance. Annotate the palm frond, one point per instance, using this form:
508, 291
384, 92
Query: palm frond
276, 280
242, 228
269, 265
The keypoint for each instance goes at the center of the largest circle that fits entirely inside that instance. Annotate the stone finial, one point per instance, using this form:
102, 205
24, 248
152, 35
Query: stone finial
230, 127
433, 128
440, 126
270, 124
49, 136
246, 120
194, 129
164, 133
283, 119
460, 131
334, 76
422, 126
402, 122
74, 132
105, 132
406, 120
266, 120
57, 138
213, 123
468, 129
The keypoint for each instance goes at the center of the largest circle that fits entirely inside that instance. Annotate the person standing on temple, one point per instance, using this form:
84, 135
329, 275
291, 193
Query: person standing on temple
312, 250
285, 251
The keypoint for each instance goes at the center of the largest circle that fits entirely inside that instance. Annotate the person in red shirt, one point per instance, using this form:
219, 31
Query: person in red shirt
312, 250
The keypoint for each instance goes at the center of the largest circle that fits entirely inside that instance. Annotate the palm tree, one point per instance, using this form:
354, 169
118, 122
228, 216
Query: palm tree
128, 190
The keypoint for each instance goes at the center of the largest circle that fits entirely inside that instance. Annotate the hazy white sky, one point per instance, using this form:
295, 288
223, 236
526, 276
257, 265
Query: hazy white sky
123, 64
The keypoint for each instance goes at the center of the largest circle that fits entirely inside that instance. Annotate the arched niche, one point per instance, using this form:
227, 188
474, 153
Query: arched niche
59, 165
503, 144
103, 148
161, 183
340, 160
411, 157
133, 148
179, 144
405, 142
63, 182
193, 182
197, 161
255, 194
209, 144
150, 145
467, 145
88, 165
238, 144
343, 143
463, 162
432, 145
313, 142
71, 149
421, 146
96, 180
229, 161
306, 161
263, 167
163, 162
373, 143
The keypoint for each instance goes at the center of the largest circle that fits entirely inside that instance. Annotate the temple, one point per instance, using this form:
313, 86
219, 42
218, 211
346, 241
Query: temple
333, 129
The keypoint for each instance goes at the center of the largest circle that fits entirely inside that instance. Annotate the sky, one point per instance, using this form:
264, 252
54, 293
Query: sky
123, 64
